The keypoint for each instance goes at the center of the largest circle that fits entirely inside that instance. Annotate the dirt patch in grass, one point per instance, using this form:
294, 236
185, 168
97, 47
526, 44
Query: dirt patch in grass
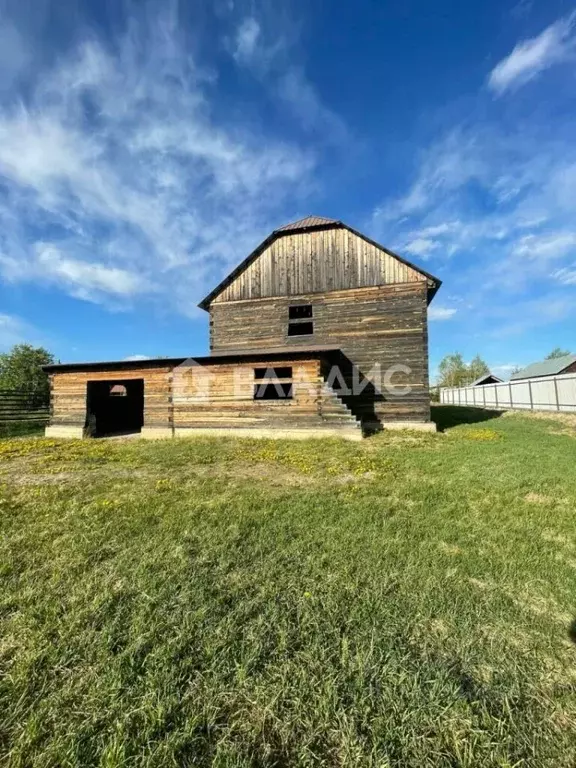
538, 498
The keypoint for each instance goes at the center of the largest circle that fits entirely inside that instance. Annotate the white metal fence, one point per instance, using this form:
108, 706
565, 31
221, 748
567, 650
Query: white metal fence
546, 393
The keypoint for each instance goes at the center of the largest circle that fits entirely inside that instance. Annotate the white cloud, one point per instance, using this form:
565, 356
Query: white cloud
268, 48
305, 102
546, 247
118, 179
87, 278
531, 57
246, 39
566, 275
14, 330
441, 313
421, 246
504, 369
135, 358
501, 243
452, 162
439, 229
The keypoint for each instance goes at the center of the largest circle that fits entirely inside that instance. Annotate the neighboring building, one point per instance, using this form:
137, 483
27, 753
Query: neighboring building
552, 367
315, 299
486, 378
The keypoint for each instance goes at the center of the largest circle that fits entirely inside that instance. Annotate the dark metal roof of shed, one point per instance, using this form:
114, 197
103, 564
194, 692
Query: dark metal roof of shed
231, 355
485, 376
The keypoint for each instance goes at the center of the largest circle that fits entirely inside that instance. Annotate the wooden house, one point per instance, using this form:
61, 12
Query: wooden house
319, 331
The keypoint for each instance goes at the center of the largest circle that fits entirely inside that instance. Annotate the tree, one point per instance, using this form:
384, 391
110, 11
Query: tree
454, 372
20, 369
476, 368
557, 352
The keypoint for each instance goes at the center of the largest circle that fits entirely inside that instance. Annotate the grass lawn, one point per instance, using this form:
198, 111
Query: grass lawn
405, 601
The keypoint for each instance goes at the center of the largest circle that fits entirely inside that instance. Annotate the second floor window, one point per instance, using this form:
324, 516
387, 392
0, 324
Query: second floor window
300, 320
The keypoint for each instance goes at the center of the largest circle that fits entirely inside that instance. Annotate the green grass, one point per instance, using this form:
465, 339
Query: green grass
405, 601
22, 428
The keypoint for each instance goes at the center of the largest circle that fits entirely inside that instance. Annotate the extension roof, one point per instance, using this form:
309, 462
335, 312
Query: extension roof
311, 224
225, 356
551, 367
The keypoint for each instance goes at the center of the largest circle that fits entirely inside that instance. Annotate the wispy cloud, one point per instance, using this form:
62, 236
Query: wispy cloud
268, 49
245, 43
504, 212
557, 43
436, 312
422, 247
566, 275
118, 178
546, 247
135, 358
14, 330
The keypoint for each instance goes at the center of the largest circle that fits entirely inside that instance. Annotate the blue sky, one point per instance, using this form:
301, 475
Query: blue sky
146, 148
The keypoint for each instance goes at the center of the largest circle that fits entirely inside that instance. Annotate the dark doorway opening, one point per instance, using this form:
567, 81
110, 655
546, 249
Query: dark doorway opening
114, 407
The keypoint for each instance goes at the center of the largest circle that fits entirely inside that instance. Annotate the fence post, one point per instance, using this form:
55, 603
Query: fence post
510, 392
556, 393
496, 394
530, 394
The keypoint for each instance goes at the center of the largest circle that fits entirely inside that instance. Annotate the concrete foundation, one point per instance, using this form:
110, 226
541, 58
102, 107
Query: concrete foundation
278, 434
59, 431
157, 433
419, 426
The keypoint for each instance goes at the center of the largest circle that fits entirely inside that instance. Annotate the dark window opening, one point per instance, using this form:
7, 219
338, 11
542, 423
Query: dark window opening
273, 373
300, 329
299, 311
272, 384
277, 391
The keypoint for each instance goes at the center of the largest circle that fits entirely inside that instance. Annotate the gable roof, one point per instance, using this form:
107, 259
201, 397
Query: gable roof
308, 224
550, 367
482, 379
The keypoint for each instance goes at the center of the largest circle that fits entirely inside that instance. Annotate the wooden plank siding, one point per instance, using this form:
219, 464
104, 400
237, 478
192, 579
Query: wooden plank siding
329, 259
385, 325
222, 395
212, 395
69, 391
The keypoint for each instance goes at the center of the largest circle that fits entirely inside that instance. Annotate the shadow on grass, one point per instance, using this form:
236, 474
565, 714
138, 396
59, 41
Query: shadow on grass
21, 430
572, 631
448, 416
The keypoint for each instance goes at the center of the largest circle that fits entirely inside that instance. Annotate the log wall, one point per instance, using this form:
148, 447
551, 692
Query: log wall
385, 325
69, 391
222, 395
213, 396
